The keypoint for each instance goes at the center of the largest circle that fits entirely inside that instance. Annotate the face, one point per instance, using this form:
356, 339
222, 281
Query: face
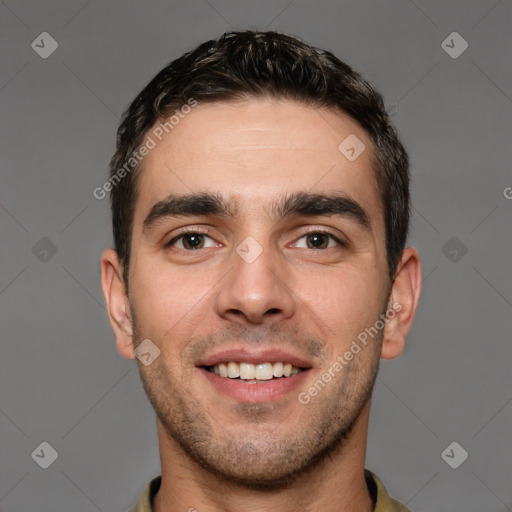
256, 270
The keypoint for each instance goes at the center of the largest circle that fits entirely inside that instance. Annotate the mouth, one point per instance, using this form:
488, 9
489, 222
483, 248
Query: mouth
250, 376
255, 383
254, 373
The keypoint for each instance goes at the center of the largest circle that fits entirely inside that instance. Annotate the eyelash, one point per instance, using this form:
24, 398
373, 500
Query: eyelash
189, 231
204, 231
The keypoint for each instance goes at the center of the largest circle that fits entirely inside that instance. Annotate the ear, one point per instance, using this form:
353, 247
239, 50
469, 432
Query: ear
403, 300
118, 306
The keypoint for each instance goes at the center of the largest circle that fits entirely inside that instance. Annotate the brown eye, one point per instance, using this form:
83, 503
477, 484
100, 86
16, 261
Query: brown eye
193, 241
317, 240
190, 241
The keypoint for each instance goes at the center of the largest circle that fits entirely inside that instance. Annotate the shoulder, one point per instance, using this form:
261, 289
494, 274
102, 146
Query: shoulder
145, 503
383, 502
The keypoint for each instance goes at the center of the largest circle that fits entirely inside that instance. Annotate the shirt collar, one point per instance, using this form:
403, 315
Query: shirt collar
381, 499
383, 502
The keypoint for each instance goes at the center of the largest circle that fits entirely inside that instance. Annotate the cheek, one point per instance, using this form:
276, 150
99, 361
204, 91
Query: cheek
345, 302
168, 302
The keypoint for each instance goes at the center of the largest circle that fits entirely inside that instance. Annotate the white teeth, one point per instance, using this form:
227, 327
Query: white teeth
223, 370
249, 371
278, 369
233, 370
264, 371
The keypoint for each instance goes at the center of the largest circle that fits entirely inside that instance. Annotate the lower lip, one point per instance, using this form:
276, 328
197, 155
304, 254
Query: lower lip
263, 391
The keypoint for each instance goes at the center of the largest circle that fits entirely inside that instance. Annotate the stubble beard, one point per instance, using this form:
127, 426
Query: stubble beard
256, 456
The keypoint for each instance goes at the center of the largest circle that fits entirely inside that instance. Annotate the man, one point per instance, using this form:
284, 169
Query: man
260, 209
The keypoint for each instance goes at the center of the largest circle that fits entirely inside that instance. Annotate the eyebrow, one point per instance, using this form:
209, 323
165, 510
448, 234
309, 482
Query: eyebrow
293, 204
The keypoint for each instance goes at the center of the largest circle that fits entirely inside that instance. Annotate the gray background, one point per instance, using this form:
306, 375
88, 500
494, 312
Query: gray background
61, 378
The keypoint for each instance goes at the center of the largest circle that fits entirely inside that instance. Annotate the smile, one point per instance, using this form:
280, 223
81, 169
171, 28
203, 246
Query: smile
258, 372
248, 388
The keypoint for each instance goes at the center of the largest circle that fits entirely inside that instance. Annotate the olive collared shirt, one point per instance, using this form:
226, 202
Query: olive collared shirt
382, 501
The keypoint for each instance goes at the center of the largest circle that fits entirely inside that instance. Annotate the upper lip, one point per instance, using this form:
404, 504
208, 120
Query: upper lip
246, 355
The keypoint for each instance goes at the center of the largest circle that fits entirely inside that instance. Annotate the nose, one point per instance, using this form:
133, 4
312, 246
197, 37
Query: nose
256, 291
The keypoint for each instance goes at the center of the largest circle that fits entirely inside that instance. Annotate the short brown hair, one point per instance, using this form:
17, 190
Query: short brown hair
245, 64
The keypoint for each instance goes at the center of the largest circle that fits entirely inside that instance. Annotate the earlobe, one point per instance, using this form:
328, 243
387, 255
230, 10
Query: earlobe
118, 306
403, 301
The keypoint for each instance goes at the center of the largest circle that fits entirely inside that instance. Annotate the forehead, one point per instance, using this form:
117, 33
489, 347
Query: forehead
256, 151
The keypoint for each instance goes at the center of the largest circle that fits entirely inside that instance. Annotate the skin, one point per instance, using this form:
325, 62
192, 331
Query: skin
218, 454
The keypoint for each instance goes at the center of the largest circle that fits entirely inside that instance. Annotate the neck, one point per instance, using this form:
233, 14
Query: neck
336, 482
